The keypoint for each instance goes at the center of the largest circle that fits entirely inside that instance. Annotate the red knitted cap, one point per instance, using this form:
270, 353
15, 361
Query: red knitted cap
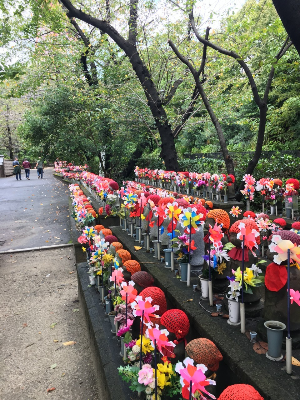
155, 198
204, 351
143, 279
99, 228
158, 298
176, 321
240, 392
280, 221
110, 239
250, 214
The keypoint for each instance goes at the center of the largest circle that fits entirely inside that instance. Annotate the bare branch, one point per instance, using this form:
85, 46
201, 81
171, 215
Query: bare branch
232, 54
172, 92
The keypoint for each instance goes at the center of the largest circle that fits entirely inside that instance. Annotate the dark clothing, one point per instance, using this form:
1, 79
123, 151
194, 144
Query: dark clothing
17, 171
26, 164
40, 172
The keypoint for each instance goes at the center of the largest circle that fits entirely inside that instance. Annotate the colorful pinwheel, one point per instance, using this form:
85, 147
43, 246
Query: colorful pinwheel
130, 290
141, 307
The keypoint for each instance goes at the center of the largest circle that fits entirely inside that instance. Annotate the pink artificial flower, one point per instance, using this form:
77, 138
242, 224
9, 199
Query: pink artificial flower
141, 307
117, 276
146, 375
130, 290
295, 296
161, 338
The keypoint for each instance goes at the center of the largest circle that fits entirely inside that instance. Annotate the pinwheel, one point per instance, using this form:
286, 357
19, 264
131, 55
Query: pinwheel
160, 337
235, 211
193, 379
248, 234
129, 290
174, 211
190, 221
216, 235
281, 247
145, 308
117, 276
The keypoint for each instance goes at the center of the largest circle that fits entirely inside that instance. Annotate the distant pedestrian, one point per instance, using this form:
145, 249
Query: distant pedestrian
17, 169
26, 166
39, 167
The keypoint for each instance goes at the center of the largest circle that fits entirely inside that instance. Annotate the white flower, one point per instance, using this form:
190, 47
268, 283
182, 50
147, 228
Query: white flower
256, 270
136, 349
131, 357
148, 390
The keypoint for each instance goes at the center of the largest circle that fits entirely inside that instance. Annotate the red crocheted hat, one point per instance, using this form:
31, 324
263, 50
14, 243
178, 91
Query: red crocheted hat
166, 200
110, 239
276, 277
132, 266
248, 222
176, 321
293, 181
155, 198
220, 216
250, 214
113, 185
204, 351
296, 225
182, 203
200, 210
143, 279
240, 392
158, 297
280, 221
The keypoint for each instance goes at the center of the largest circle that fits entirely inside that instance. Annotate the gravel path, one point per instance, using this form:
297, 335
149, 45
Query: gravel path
39, 312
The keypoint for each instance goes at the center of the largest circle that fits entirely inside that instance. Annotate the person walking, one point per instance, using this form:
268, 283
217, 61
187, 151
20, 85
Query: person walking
39, 167
26, 166
17, 169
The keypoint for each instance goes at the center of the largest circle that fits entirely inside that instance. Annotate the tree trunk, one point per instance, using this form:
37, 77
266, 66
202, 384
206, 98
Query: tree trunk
168, 150
289, 13
10, 144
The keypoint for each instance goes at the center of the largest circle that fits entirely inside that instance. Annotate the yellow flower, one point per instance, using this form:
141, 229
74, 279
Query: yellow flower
99, 272
146, 345
83, 249
248, 276
221, 267
162, 379
107, 258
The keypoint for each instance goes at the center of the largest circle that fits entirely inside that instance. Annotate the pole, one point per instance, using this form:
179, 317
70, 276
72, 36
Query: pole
242, 305
141, 340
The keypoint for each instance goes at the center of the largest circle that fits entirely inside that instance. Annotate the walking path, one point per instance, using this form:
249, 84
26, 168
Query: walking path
44, 342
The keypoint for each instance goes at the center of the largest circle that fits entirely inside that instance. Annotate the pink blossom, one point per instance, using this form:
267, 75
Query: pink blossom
145, 375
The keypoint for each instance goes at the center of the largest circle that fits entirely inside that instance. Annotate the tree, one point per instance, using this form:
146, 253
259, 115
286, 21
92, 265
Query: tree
289, 13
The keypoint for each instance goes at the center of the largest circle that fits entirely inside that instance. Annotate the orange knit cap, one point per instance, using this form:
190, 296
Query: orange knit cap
124, 255
210, 204
220, 216
106, 232
93, 212
204, 351
176, 321
99, 228
202, 201
240, 392
117, 245
132, 266
158, 298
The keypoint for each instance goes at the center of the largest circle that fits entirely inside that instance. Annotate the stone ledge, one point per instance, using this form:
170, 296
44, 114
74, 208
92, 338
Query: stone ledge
245, 365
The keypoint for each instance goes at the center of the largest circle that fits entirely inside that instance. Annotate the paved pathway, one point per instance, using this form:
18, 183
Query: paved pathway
39, 308
33, 213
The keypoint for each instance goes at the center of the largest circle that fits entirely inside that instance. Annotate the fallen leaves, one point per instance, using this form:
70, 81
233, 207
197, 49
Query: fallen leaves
295, 362
260, 347
136, 248
25, 325
53, 366
55, 340
52, 326
71, 343
50, 389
